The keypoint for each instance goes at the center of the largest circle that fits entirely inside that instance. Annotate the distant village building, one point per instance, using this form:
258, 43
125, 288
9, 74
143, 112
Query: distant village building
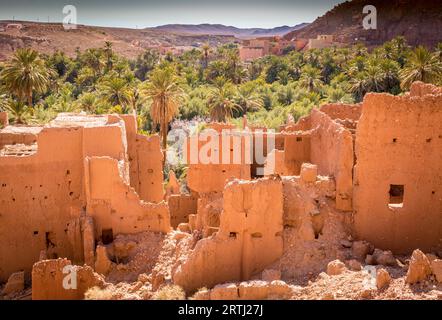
321, 41
260, 47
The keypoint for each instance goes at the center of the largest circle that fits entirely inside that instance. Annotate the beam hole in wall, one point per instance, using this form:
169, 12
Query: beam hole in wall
428, 140
68, 172
298, 139
50, 239
257, 235
35, 233
394, 140
107, 236
233, 235
317, 234
396, 195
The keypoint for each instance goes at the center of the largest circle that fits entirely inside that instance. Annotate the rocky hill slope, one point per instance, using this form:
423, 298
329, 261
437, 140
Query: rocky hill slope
49, 37
420, 22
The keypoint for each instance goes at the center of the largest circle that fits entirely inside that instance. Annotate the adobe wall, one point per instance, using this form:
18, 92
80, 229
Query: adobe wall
419, 88
209, 209
48, 279
399, 142
303, 124
18, 135
342, 111
145, 161
275, 164
49, 183
180, 207
115, 205
297, 150
249, 237
40, 195
3, 119
212, 177
332, 151
250, 53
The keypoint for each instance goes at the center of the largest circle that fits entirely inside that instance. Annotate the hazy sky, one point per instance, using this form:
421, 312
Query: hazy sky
146, 13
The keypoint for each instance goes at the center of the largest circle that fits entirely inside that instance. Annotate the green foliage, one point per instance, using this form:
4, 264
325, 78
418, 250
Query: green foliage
208, 82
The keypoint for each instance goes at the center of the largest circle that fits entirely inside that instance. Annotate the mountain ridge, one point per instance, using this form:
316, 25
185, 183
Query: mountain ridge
221, 29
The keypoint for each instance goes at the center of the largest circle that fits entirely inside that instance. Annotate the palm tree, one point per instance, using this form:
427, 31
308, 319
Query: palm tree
374, 79
19, 111
422, 66
439, 51
221, 103
166, 96
206, 50
358, 86
87, 102
248, 99
310, 78
115, 91
93, 59
390, 70
338, 95
25, 74
109, 53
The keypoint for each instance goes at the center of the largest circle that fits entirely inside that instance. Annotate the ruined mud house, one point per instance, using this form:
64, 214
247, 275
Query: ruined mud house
88, 191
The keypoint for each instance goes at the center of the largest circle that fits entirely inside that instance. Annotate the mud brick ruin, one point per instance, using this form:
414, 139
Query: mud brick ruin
88, 191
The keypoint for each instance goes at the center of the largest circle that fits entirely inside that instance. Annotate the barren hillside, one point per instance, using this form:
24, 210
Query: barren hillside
48, 37
420, 22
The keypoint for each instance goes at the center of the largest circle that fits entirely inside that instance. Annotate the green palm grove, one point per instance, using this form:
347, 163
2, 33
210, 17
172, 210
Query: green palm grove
210, 83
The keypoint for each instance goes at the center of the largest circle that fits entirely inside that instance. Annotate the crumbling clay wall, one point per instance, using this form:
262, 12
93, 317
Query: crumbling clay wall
332, 152
249, 237
40, 195
115, 206
145, 161
319, 139
3, 119
54, 280
180, 207
398, 175
297, 150
18, 135
342, 111
42, 190
205, 177
420, 89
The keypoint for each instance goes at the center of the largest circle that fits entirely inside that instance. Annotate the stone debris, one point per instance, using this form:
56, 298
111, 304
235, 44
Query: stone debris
383, 278
419, 268
15, 283
335, 267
